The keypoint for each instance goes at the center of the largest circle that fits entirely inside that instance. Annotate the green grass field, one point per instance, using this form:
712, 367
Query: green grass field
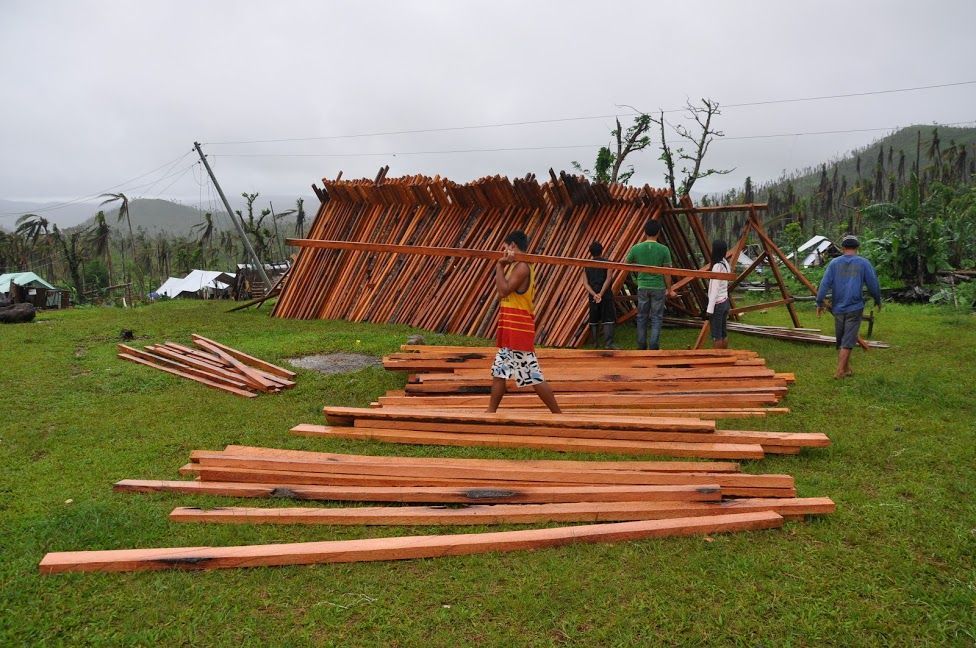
896, 565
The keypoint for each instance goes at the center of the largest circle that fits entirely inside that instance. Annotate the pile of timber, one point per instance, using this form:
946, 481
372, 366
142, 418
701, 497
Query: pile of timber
660, 403
624, 500
706, 383
452, 294
214, 365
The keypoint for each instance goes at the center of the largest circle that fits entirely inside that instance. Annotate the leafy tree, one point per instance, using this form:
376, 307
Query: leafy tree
607, 168
98, 240
912, 244
72, 250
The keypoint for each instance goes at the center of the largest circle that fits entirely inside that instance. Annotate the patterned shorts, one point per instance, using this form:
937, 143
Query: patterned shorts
520, 366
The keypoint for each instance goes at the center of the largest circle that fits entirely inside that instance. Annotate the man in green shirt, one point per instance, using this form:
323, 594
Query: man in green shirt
652, 289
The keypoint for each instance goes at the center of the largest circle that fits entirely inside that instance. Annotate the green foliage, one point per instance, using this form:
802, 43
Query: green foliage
911, 240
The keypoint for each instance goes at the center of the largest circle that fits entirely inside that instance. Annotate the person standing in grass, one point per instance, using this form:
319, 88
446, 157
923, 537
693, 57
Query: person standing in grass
718, 296
516, 359
652, 289
596, 282
845, 279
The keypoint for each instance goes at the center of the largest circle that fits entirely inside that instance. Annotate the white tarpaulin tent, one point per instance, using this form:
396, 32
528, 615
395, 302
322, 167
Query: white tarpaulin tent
815, 251
199, 283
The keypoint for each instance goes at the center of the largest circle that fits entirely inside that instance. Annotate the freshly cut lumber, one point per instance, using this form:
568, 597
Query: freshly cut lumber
609, 446
183, 374
253, 377
778, 439
202, 460
346, 415
249, 359
556, 464
494, 255
185, 365
789, 508
402, 548
415, 494
412, 350
629, 399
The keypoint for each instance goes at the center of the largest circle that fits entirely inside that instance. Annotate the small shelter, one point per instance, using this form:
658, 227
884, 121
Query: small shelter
30, 288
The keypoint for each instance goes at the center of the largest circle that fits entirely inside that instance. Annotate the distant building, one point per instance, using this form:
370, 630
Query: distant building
816, 252
29, 288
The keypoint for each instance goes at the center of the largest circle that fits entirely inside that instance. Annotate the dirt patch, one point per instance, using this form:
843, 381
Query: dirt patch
336, 363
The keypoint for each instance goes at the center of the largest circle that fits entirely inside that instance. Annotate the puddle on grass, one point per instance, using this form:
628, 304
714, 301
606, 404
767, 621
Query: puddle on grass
336, 363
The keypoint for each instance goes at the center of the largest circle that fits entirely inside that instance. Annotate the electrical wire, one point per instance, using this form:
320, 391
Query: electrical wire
589, 117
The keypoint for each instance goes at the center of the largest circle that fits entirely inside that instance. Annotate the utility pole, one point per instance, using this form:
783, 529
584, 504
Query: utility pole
234, 219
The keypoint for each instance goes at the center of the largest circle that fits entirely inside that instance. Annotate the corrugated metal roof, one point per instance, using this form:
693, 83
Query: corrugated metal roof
22, 279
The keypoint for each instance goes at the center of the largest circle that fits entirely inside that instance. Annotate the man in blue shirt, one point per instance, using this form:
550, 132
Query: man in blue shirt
844, 279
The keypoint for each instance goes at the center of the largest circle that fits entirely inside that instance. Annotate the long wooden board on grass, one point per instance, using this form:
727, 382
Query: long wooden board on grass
402, 548
608, 446
347, 415
790, 508
424, 494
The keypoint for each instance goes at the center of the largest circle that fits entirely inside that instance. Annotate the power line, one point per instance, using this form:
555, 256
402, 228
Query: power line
589, 117
548, 148
98, 193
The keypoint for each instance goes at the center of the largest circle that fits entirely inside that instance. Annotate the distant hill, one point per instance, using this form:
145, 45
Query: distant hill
805, 181
157, 216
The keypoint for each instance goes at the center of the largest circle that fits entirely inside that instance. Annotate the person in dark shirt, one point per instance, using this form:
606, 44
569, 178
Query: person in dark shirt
597, 282
845, 278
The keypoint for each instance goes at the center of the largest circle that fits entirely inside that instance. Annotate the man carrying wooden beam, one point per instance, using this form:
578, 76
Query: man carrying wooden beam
845, 279
652, 289
516, 359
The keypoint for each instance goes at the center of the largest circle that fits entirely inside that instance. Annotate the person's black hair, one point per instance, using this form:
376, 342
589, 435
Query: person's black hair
652, 227
596, 248
719, 250
519, 238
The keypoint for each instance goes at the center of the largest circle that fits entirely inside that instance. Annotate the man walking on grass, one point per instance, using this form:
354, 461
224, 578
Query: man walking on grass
845, 278
652, 289
516, 359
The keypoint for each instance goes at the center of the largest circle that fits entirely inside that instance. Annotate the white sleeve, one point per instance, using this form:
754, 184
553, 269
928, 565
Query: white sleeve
712, 292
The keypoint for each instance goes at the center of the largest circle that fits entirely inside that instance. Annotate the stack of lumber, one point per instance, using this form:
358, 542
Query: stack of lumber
708, 383
632, 435
627, 500
562, 218
214, 365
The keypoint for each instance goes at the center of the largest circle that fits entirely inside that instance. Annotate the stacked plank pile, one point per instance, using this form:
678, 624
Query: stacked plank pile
709, 384
562, 217
214, 365
627, 499
624, 402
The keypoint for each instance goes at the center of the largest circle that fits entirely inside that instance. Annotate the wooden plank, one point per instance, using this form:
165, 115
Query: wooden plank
182, 374
252, 376
360, 469
249, 359
609, 446
494, 255
343, 414
423, 494
402, 548
780, 439
501, 513
553, 464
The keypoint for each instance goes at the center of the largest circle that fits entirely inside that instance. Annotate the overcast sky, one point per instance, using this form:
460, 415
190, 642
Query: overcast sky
96, 93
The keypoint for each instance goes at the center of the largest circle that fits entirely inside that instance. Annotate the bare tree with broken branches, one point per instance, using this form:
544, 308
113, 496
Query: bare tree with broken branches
695, 142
